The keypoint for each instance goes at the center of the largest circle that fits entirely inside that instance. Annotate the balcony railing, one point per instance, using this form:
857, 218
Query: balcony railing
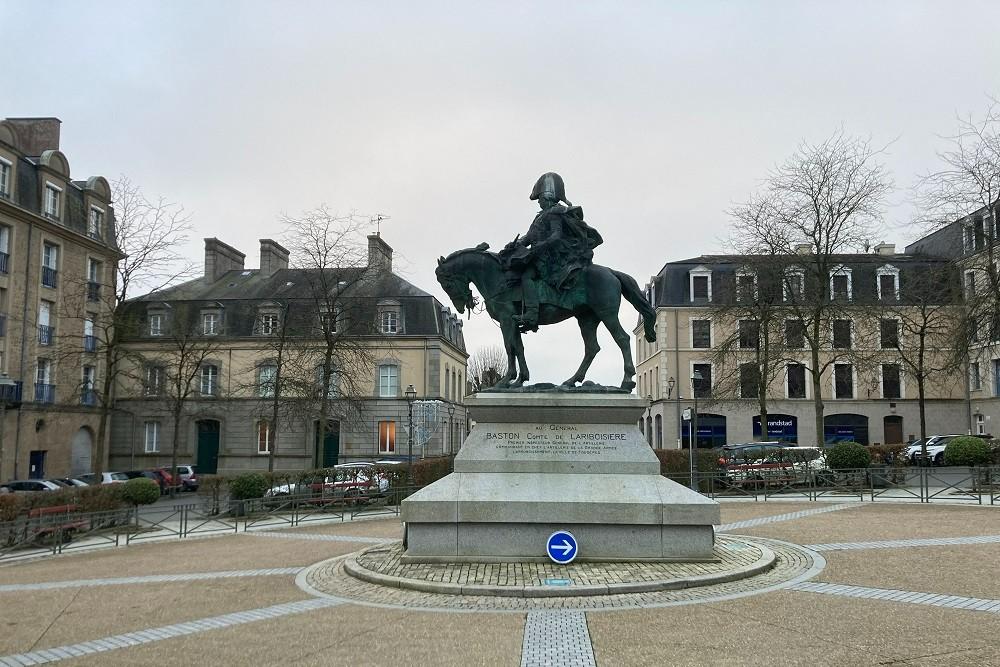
90, 343
3, 324
88, 397
45, 393
4, 260
93, 291
10, 394
50, 277
46, 334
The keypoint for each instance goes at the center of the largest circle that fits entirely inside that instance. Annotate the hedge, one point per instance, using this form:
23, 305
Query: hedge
141, 491
967, 451
677, 461
426, 471
248, 485
848, 456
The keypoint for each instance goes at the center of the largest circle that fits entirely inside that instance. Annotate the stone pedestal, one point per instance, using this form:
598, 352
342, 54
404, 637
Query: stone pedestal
536, 463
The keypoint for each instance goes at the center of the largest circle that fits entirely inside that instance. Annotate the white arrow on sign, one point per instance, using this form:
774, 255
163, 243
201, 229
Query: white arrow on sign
566, 547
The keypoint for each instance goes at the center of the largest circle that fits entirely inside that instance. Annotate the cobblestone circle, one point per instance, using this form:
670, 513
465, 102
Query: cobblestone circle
794, 564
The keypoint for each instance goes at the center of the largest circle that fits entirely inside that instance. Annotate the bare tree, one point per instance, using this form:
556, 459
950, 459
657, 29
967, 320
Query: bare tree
149, 235
487, 366
823, 201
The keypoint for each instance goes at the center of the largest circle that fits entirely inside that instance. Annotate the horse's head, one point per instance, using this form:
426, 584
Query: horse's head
454, 276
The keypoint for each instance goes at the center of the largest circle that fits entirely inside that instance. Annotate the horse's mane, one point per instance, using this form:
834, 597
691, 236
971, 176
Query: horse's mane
481, 249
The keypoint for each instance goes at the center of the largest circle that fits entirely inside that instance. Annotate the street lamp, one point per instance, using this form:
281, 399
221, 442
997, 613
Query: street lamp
451, 430
410, 394
693, 444
6, 385
670, 387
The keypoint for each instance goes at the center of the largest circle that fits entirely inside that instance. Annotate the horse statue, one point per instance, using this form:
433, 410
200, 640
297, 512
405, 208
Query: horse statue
594, 299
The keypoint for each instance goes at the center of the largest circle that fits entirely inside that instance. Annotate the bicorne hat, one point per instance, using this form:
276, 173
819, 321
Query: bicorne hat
551, 184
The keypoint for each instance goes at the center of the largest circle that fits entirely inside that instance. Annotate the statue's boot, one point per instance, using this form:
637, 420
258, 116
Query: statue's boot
528, 320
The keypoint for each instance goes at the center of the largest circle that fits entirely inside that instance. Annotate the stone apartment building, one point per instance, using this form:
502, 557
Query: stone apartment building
407, 336
57, 254
874, 402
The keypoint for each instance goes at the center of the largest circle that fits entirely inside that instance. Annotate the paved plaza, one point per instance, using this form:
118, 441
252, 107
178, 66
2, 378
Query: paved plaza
854, 584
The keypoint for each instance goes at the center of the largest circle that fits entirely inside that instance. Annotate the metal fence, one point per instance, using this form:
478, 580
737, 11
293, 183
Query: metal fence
979, 485
57, 530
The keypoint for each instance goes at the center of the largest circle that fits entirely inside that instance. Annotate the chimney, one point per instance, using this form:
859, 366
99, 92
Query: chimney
220, 257
273, 257
885, 249
379, 254
36, 135
803, 248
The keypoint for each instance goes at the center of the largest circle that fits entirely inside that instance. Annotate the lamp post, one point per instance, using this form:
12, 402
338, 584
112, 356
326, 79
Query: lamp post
5, 388
695, 377
451, 429
410, 394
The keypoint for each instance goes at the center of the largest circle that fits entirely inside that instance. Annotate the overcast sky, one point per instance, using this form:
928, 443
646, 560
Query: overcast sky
658, 115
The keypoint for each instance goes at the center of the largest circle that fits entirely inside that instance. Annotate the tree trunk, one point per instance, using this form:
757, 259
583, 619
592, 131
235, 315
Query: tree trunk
100, 450
275, 404
817, 382
173, 450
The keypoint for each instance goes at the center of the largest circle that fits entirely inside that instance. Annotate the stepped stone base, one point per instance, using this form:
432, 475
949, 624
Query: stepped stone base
537, 463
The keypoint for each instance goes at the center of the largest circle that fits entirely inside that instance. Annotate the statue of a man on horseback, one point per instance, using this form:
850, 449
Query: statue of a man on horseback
557, 246
544, 277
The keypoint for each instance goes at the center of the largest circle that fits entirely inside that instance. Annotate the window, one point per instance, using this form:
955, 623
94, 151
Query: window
154, 380
263, 437
268, 324
980, 233
50, 264
210, 324
889, 334
333, 384
93, 280
795, 334
330, 321
891, 383
970, 284
209, 380
843, 380
840, 286
96, 222
46, 332
794, 286
749, 381
4, 178
980, 425
701, 334
44, 389
996, 377
842, 334
89, 339
701, 285
266, 375
975, 379
87, 395
152, 437
389, 322
155, 324
388, 381
51, 204
796, 380
4, 248
387, 437
749, 334
888, 284
746, 287
703, 387
968, 239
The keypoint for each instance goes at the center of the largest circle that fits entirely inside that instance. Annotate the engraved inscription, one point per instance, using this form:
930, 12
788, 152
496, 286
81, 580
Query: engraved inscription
531, 440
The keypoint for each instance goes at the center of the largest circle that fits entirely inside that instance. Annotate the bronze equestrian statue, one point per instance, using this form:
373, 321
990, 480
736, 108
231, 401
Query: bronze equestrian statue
544, 277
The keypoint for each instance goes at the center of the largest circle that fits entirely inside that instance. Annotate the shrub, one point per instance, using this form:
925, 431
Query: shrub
100, 498
677, 461
847, 456
141, 491
426, 471
10, 506
894, 454
967, 451
248, 485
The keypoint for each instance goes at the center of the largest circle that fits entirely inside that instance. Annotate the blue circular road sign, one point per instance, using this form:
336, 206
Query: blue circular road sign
561, 547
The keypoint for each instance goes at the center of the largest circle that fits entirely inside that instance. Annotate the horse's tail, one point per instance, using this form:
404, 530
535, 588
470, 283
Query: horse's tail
634, 295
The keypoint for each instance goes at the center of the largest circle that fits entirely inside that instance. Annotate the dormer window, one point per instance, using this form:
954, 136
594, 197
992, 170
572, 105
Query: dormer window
268, 324
52, 195
5, 178
888, 283
746, 286
389, 318
156, 324
840, 284
330, 321
95, 224
210, 324
701, 285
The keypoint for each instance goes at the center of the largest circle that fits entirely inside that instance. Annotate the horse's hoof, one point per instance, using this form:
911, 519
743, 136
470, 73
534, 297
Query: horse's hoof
569, 383
628, 385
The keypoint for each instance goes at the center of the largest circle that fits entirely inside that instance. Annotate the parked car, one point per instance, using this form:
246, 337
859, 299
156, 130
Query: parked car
935, 449
71, 481
349, 480
188, 477
105, 478
28, 485
757, 463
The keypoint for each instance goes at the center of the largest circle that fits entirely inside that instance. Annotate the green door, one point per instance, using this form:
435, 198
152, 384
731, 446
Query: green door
329, 455
208, 447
